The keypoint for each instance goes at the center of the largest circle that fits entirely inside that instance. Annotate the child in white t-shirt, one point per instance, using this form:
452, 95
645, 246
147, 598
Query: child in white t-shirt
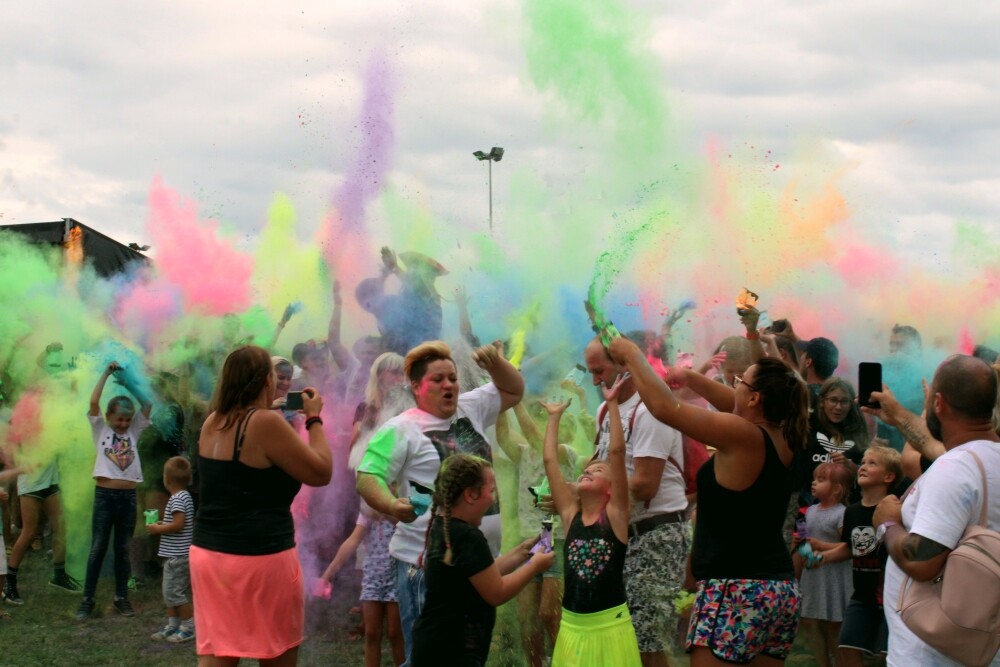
117, 472
175, 531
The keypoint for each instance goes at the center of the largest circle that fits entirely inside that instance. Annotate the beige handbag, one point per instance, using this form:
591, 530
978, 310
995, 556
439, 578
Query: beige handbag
958, 611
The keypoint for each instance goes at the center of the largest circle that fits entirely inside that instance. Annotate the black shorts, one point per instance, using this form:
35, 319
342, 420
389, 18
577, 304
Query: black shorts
864, 628
42, 494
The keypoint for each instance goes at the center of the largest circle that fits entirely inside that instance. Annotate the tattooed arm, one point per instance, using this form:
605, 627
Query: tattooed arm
912, 427
919, 557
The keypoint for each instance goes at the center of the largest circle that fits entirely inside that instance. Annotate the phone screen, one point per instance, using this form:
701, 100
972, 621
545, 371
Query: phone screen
294, 400
869, 380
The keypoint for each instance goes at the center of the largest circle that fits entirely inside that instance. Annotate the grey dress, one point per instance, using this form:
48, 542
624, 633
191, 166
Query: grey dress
827, 589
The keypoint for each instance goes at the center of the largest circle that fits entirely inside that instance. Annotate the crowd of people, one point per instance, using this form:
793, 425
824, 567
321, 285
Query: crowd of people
728, 510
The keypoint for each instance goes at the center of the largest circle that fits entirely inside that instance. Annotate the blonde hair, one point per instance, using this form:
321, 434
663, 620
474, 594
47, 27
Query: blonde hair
387, 361
839, 475
890, 459
177, 470
458, 473
415, 363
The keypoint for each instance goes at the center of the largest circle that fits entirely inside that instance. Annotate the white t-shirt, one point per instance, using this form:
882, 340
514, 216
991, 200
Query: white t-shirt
943, 502
653, 439
410, 447
118, 455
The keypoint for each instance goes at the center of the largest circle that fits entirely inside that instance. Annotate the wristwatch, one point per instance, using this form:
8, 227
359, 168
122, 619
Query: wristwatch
883, 528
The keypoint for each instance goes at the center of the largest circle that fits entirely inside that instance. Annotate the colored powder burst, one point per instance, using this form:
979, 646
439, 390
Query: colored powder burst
212, 276
589, 55
344, 230
610, 264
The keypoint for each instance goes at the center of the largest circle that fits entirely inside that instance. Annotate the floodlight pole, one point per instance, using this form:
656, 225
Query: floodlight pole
495, 155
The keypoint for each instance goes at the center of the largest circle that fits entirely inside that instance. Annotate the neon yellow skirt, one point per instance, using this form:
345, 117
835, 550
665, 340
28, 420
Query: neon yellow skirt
602, 639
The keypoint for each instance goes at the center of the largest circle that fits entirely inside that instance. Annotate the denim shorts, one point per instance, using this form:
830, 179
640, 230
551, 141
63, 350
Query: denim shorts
864, 628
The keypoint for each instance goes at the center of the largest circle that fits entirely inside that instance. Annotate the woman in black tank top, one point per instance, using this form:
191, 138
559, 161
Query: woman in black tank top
248, 594
596, 628
748, 602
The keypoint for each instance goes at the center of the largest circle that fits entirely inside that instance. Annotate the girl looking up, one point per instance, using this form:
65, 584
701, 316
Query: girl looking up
596, 625
826, 590
464, 583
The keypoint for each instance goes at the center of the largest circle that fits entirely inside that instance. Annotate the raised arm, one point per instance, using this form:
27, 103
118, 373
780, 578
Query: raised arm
341, 355
505, 438
95, 396
565, 502
722, 430
619, 506
529, 429
912, 427
464, 323
502, 373
749, 318
290, 310
721, 396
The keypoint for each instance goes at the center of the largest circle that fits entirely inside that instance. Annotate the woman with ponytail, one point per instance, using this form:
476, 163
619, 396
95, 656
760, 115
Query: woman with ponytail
464, 583
748, 604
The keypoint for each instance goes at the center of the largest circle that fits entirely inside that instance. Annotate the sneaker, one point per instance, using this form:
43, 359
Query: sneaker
182, 635
164, 633
10, 594
65, 582
86, 609
124, 607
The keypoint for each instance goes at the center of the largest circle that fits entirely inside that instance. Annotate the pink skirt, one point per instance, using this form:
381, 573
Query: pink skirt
247, 606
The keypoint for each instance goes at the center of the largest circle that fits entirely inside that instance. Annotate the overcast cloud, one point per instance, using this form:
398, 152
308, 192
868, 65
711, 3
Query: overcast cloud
231, 102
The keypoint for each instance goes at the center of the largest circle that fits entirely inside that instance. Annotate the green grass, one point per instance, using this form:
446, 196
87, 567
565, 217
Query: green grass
44, 631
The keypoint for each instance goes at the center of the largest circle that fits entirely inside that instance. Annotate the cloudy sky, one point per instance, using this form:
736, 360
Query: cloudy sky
230, 102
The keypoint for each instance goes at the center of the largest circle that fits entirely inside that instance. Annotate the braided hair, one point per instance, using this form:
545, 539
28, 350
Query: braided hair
458, 473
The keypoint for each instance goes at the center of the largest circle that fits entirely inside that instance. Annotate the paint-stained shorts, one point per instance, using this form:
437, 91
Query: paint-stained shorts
739, 619
654, 573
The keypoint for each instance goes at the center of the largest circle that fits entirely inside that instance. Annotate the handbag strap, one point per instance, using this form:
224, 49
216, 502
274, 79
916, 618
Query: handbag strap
983, 514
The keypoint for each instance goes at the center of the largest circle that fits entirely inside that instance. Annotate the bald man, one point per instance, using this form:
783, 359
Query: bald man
926, 526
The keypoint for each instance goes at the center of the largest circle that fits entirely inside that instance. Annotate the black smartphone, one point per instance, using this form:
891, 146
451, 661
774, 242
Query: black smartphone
294, 400
869, 380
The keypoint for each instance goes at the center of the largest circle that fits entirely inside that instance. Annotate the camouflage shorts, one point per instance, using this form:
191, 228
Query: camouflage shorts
654, 573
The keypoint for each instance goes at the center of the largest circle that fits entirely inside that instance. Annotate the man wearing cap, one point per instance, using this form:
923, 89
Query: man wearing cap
659, 537
818, 359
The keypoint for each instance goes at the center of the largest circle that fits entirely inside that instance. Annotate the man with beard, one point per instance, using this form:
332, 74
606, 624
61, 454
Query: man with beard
920, 531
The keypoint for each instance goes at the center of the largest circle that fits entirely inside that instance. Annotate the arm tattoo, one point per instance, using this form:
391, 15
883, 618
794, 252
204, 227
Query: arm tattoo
910, 428
917, 548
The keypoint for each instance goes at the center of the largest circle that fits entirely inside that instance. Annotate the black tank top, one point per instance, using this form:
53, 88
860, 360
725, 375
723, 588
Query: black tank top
244, 510
594, 565
738, 533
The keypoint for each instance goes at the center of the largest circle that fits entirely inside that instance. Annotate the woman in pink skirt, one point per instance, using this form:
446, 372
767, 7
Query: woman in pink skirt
248, 593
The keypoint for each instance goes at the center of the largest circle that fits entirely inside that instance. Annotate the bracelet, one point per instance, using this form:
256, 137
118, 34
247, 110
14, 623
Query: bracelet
753, 335
313, 420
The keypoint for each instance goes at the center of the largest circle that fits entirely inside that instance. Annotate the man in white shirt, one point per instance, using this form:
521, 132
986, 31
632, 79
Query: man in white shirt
920, 531
659, 537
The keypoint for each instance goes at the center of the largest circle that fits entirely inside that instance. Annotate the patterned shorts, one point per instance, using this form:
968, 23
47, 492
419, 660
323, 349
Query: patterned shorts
739, 619
654, 572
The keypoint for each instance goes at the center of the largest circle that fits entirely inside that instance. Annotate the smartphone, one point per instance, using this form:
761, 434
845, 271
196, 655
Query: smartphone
869, 380
294, 400
745, 300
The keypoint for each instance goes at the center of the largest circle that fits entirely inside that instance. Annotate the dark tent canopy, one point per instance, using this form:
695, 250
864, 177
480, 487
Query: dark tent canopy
108, 256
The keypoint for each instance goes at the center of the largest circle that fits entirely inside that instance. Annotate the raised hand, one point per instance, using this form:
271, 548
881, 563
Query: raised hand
611, 394
555, 407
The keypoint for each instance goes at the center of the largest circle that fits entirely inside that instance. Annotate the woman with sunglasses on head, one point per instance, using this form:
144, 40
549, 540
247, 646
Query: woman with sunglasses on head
747, 605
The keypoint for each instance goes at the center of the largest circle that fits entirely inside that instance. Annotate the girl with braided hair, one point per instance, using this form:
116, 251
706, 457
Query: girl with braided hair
464, 583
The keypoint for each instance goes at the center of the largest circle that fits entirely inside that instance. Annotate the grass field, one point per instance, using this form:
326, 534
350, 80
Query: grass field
44, 632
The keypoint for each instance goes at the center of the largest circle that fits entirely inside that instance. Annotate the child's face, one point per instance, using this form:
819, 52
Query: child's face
872, 472
822, 487
119, 421
482, 502
836, 405
596, 479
